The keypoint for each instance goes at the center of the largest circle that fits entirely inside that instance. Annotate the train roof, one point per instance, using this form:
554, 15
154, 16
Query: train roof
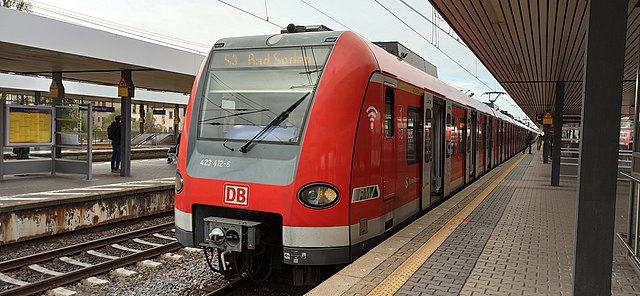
279, 40
391, 64
386, 62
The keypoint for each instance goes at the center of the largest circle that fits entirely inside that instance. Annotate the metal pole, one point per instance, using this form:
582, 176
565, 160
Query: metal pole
3, 117
56, 101
176, 122
37, 97
598, 168
557, 134
634, 194
125, 132
90, 141
546, 148
142, 113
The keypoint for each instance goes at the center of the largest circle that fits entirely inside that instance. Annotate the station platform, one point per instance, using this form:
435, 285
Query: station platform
508, 233
36, 205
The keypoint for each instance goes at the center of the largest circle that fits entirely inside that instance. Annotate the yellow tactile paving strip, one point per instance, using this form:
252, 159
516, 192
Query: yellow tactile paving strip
392, 283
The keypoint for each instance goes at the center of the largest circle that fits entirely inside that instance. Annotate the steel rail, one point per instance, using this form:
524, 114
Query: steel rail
52, 254
79, 274
220, 290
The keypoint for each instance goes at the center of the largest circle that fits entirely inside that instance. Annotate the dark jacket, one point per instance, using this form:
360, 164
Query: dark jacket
113, 131
528, 139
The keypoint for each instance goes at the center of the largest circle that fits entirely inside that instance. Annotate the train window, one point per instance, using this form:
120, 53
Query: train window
243, 91
388, 112
413, 134
427, 135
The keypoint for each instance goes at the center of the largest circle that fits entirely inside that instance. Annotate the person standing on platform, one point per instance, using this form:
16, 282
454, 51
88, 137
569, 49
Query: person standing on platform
538, 142
528, 139
113, 133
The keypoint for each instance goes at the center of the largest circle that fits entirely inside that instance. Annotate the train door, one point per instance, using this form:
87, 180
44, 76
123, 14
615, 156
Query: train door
448, 147
482, 136
389, 146
489, 141
458, 139
500, 142
472, 145
438, 150
427, 151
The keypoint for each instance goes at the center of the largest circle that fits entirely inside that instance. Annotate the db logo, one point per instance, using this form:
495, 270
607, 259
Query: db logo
236, 195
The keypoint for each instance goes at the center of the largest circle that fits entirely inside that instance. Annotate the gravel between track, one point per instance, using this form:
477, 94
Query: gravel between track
186, 276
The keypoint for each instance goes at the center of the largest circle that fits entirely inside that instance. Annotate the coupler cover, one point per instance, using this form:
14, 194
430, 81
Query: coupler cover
231, 234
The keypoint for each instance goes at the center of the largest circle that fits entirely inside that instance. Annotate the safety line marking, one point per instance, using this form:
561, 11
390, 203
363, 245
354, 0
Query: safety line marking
393, 282
74, 191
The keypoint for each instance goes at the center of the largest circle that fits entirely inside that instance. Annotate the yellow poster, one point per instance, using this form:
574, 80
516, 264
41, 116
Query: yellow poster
32, 125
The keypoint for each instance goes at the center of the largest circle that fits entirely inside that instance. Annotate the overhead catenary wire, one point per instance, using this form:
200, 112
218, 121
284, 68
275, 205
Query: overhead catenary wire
426, 39
322, 12
251, 14
436, 26
456, 38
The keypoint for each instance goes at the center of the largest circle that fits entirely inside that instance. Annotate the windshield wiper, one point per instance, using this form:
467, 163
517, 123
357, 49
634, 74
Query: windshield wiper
233, 115
279, 119
311, 71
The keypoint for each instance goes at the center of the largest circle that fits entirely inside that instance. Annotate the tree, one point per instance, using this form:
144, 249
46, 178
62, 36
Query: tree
150, 121
22, 5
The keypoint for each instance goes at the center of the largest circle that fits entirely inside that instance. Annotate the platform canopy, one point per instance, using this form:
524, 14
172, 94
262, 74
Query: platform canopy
528, 46
35, 45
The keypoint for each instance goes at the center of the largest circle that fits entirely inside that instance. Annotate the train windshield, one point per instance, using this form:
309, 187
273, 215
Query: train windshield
246, 89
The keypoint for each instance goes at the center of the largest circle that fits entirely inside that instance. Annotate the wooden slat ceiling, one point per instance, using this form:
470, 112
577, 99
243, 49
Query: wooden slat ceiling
529, 45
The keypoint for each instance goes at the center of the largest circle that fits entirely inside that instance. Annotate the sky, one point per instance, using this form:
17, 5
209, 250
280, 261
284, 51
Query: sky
197, 24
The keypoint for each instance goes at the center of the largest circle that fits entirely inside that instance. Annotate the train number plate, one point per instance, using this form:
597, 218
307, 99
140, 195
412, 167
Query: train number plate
236, 195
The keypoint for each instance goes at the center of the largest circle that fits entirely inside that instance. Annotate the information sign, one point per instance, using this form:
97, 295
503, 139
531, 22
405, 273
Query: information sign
53, 90
29, 125
548, 119
103, 109
539, 118
123, 88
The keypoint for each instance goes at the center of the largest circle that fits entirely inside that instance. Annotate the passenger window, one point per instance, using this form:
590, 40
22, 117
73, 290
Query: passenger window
427, 135
388, 113
413, 135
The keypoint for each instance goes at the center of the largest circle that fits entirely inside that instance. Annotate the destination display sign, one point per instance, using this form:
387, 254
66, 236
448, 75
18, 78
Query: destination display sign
282, 57
29, 125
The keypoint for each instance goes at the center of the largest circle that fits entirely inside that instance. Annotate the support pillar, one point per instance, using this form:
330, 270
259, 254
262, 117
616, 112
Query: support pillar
142, 113
600, 129
57, 94
546, 147
557, 134
37, 97
2, 134
176, 122
125, 91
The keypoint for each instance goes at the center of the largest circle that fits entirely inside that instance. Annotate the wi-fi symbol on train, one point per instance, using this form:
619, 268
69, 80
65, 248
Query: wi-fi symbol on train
372, 113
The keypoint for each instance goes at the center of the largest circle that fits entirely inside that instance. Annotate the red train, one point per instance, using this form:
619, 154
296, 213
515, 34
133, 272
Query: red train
308, 149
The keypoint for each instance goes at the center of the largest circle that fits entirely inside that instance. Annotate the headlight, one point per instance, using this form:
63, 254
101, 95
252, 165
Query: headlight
318, 196
179, 182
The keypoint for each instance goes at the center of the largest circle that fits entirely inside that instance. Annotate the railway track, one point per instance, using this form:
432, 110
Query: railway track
55, 278
225, 289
